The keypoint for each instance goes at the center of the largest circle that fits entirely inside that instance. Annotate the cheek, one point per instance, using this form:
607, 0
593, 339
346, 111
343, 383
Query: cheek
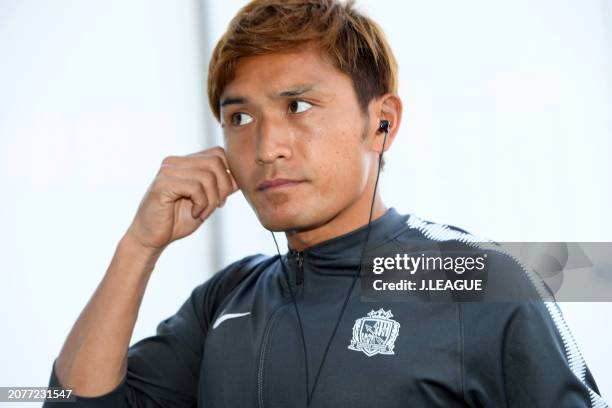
237, 159
341, 167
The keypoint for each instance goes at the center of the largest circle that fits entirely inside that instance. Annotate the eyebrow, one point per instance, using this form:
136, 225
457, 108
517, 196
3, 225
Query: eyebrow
233, 101
291, 92
295, 91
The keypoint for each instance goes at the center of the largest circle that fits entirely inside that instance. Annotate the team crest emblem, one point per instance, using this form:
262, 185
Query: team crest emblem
375, 334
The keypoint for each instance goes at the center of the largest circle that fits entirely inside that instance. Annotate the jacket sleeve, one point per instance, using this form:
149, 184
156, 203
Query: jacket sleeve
522, 354
163, 370
542, 364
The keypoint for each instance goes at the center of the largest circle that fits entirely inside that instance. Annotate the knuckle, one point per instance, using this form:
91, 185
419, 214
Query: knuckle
156, 187
164, 168
217, 161
169, 160
194, 186
207, 177
227, 190
214, 201
200, 190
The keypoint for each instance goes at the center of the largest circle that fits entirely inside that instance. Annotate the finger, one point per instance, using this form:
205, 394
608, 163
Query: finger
211, 178
224, 178
176, 188
206, 158
217, 151
220, 153
197, 157
209, 181
212, 162
206, 213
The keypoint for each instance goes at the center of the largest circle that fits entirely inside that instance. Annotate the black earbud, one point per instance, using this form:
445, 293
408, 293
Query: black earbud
384, 126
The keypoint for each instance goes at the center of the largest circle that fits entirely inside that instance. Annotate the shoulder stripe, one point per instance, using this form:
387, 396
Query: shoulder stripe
443, 232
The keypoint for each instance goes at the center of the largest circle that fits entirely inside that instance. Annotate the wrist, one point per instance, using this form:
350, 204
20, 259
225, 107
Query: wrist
131, 248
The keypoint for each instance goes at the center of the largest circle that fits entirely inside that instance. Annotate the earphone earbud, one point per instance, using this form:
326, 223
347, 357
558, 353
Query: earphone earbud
384, 126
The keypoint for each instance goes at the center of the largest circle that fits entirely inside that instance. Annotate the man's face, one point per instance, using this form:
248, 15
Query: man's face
293, 132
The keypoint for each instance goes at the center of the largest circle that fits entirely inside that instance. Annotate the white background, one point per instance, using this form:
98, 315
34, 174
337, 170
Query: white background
506, 133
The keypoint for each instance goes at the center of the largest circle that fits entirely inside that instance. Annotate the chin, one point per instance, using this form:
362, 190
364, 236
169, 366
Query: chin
274, 221
286, 218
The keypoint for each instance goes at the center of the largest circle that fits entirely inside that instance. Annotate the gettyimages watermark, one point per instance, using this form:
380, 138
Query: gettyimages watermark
453, 271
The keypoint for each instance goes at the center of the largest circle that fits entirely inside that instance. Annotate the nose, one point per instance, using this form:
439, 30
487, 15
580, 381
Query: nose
273, 142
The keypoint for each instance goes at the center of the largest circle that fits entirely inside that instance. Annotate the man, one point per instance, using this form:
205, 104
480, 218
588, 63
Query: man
306, 93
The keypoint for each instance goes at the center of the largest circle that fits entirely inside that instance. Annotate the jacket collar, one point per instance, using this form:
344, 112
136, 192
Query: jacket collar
345, 250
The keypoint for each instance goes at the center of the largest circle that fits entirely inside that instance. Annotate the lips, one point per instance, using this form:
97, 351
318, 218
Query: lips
277, 183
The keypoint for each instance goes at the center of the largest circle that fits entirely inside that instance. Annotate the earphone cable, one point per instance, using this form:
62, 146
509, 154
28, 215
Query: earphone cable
295, 306
310, 394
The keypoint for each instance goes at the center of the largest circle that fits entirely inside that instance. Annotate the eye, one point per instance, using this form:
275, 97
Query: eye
299, 106
241, 119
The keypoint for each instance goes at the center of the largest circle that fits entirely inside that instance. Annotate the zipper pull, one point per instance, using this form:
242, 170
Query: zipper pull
299, 276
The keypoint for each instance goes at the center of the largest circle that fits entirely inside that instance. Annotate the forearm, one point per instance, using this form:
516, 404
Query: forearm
93, 359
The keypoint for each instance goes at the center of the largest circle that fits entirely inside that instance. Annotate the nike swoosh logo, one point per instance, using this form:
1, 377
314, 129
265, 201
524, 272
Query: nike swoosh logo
225, 317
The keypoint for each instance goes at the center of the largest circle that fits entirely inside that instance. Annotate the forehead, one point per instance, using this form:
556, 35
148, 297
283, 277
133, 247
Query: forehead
271, 73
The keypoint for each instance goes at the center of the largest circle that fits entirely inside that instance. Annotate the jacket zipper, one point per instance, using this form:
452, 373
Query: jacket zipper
299, 277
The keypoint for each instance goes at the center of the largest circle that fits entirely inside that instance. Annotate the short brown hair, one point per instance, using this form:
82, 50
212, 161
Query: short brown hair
354, 43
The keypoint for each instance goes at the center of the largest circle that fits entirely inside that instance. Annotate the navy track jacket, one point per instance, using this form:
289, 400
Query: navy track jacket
235, 341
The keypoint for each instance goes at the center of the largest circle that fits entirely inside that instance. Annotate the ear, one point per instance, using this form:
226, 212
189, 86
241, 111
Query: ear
388, 107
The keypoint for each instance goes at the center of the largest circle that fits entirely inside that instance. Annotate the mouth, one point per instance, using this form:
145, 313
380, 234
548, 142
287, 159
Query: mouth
276, 184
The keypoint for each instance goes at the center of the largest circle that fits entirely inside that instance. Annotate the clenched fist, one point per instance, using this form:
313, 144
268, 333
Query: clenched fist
184, 193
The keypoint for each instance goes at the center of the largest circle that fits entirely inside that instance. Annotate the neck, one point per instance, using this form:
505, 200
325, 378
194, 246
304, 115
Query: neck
349, 219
